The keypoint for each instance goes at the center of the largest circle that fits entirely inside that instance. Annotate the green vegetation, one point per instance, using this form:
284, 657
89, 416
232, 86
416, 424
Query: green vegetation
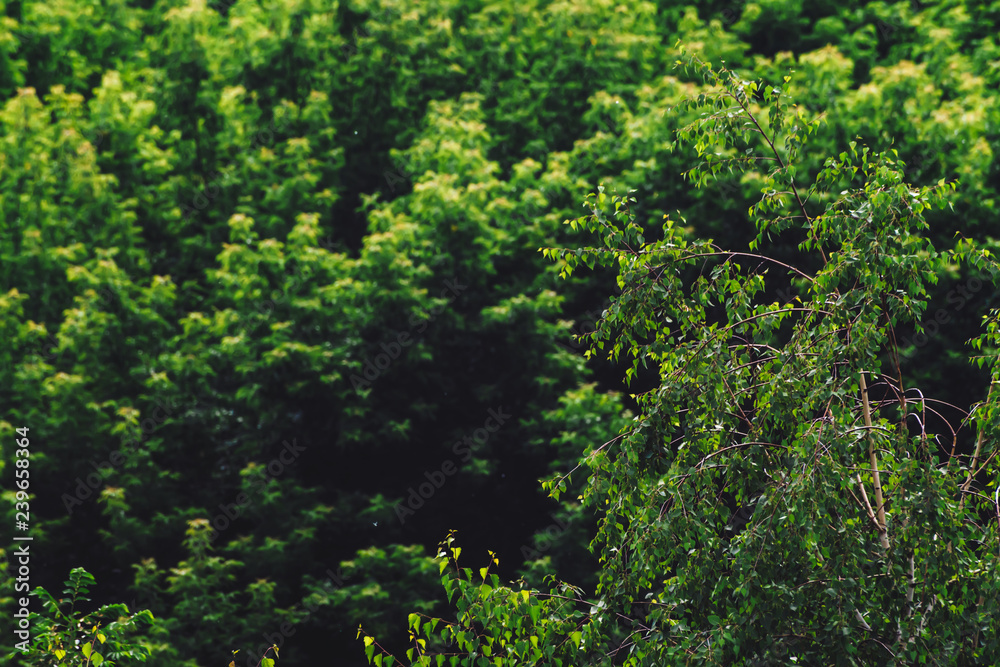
276, 315
763, 508
66, 637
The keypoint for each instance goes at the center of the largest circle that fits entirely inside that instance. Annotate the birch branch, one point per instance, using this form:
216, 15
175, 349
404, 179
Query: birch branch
883, 531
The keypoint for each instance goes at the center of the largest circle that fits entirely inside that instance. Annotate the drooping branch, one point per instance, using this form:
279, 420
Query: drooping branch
781, 163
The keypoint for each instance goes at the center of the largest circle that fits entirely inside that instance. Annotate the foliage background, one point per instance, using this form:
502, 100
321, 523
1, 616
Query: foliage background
230, 209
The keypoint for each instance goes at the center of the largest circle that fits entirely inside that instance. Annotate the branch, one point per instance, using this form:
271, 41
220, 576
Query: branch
883, 531
791, 181
754, 256
741, 444
867, 504
975, 455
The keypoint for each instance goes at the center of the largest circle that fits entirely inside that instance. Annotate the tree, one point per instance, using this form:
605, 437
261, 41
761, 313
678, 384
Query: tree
872, 539
235, 232
63, 635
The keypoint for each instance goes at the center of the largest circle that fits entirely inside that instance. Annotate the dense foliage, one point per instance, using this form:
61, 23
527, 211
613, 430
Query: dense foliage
274, 311
65, 636
763, 507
